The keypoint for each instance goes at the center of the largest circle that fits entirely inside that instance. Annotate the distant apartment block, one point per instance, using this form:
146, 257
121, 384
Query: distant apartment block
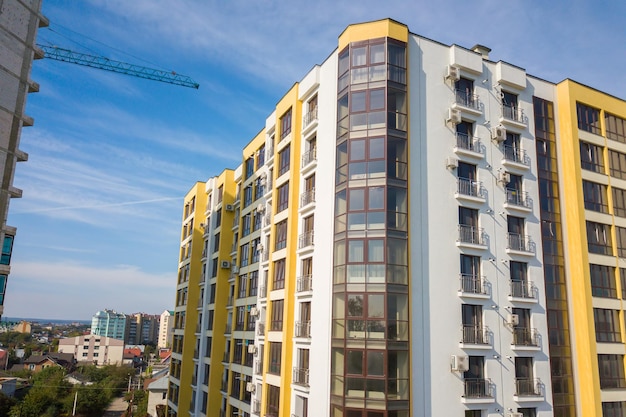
166, 324
142, 329
109, 323
100, 350
19, 21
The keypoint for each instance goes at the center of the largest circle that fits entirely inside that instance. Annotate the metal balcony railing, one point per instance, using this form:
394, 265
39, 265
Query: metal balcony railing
263, 291
515, 154
468, 142
519, 242
475, 335
471, 234
309, 156
478, 388
470, 187
267, 219
523, 289
258, 367
228, 328
467, 99
269, 152
256, 406
260, 328
307, 197
518, 198
528, 387
472, 284
513, 113
310, 117
305, 239
304, 283
226, 357
303, 328
525, 336
229, 301
301, 376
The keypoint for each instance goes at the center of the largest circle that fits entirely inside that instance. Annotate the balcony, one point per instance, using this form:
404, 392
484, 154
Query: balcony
515, 157
525, 336
258, 367
471, 236
472, 286
304, 283
301, 376
520, 244
475, 335
478, 388
467, 189
303, 329
468, 145
518, 200
528, 387
513, 116
260, 328
305, 239
468, 102
309, 156
307, 197
523, 291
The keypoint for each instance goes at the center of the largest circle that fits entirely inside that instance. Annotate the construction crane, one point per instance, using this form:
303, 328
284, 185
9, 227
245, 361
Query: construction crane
66, 55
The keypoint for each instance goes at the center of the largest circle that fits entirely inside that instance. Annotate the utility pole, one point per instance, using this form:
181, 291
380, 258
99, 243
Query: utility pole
75, 398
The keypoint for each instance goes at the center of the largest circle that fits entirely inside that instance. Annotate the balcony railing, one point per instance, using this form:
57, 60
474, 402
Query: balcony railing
263, 291
467, 99
307, 197
469, 187
228, 328
478, 388
260, 328
304, 283
265, 256
472, 284
475, 335
513, 113
521, 243
267, 219
523, 289
226, 357
276, 325
224, 386
305, 239
309, 156
256, 406
525, 336
468, 142
258, 367
301, 376
269, 152
528, 387
303, 329
518, 198
229, 301
471, 234
515, 154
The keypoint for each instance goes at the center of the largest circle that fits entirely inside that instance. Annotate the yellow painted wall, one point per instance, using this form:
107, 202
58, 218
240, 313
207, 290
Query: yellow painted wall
372, 30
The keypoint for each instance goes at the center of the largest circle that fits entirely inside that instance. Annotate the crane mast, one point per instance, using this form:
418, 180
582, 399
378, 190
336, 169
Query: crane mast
94, 61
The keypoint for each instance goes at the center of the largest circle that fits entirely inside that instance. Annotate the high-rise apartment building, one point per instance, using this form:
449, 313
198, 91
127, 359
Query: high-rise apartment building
166, 324
110, 323
19, 21
142, 329
396, 243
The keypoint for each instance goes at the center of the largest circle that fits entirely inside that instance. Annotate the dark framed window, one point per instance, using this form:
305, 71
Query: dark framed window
603, 281
255, 245
275, 352
249, 165
614, 409
247, 195
259, 187
246, 225
7, 248
366, 316
619, 202
285, 124
588, 118
260, 157
611, 369
607, 325
620, 233
276, 323
279, 275
615, 127
595, 196
254, 282
283, 160
243, 286
591, 157
283, 197
281, 235
617, 164
245, 255
599, 238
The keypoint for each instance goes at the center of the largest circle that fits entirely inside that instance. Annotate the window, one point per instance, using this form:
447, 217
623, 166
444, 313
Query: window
276, 324
283, 197
513, 150
471, 281
472, 321
247, 196
595, 197
465, 137
614, 409
615, 127
611, 369
279, 275
466, 183
474, 378
619, 202
621, 241
281, 235
591, 157
283, 160
245, 255
216, 243
285, 124
254, 282
366, 316
249, 167
464, 89
527, 412
243, 281
603, 281
259, 187
7, 248
607, 325
273, 400
275, 352
256, 244
260, 157
588, 118
617, 164
246, 225
519, 280
599, 238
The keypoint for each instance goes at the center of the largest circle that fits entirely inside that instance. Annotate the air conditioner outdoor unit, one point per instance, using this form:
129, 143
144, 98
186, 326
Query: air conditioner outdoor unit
225, 264
512, 319
235, 269
504, 177
250, 387
453, 73
515, 415
252, 349
459, 363
260, 208
454, 117
254, 311
259, 248
229, 207
452, 163
498, 133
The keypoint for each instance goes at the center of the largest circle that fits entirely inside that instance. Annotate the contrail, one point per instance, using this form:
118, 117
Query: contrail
128, 203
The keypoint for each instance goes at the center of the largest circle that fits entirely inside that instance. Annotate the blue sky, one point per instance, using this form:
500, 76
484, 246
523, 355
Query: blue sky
111, 156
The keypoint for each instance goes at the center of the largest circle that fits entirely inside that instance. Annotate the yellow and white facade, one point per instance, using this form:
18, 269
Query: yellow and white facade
403, 238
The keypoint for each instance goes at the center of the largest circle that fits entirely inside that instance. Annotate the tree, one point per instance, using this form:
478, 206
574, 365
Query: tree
46, 396
6, 403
